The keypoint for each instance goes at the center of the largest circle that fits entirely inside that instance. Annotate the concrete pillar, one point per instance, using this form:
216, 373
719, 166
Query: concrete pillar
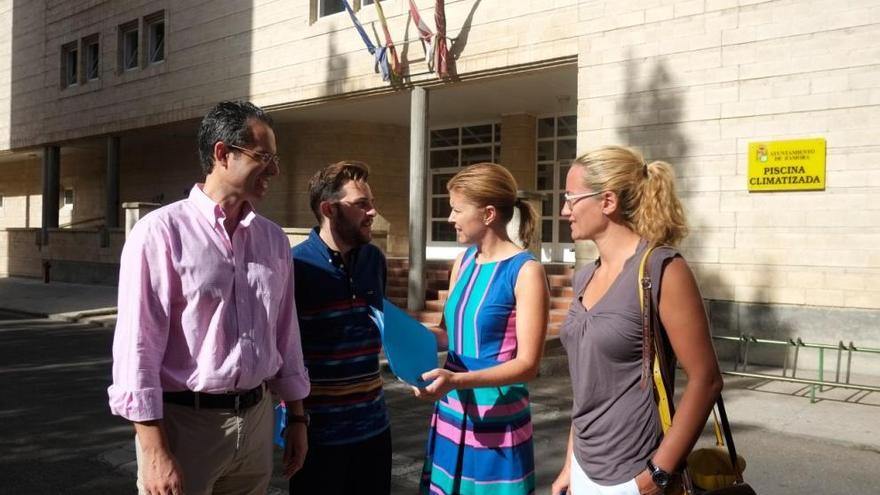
111, 184
136, 211
585, 252
51, 192
518, 137
418, 198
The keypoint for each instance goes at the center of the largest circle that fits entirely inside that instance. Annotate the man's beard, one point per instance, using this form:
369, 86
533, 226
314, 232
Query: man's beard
350, 233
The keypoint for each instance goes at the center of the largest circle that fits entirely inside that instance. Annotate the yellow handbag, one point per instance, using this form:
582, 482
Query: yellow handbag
715, 471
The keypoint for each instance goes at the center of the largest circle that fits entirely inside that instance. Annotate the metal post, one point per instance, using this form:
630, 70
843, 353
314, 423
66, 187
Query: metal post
111, 184
849, 359
840, 348
418, 177
51, 168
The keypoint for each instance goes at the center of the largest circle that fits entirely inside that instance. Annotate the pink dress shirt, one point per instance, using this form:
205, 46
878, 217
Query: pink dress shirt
200, 311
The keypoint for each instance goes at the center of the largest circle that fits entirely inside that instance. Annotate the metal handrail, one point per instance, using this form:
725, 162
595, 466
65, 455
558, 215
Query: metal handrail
746, 342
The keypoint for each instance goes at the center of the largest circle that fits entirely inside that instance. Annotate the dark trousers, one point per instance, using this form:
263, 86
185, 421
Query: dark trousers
363, 468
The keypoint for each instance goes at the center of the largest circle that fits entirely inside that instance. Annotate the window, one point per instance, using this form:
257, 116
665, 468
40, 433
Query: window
330, 7
155, 37
451, 149
128, 44
92, 57
68, 198
556, 148
69, 65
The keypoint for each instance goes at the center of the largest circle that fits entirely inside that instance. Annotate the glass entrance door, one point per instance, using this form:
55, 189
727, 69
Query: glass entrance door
556, 148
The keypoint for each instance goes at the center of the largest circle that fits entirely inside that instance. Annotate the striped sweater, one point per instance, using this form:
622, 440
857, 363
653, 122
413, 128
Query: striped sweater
340, 342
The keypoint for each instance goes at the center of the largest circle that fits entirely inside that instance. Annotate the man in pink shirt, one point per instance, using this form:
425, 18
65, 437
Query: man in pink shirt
207, 324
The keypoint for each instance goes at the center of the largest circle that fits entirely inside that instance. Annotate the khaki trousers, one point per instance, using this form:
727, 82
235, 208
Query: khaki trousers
219, 451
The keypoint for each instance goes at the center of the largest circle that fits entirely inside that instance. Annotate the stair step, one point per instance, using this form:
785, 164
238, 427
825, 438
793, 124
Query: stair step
400, 302
396, 291
435, 305
558, 315
560, 302
566, 291
559, 280
559, 269
429, 318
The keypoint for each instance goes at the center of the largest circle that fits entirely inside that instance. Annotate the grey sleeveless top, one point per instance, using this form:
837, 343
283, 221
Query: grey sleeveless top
615, 421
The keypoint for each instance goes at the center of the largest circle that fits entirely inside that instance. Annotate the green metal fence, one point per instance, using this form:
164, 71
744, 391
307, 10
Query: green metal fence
790, 370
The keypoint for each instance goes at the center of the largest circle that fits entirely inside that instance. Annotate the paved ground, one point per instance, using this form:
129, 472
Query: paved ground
57, 436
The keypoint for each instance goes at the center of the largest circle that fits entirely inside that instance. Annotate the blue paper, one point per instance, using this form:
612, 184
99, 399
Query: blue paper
410, 347
280, 423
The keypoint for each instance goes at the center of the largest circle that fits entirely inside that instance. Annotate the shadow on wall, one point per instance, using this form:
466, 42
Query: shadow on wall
650, 112
460, 41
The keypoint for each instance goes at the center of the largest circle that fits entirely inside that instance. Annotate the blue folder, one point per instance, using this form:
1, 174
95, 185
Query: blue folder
410, 347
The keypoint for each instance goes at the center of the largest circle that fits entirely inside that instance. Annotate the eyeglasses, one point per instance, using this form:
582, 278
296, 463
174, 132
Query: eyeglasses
571, 199
262, 157
361, 204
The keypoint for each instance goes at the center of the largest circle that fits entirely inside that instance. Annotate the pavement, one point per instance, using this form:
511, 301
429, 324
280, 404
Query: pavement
55, 338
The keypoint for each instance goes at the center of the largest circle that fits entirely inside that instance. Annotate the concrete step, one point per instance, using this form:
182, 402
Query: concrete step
560, 302
559, 280
428, 318
559, 269
558, 315
435, 305
396, 291
566, 291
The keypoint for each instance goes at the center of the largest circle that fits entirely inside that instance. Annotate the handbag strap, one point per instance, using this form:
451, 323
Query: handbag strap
728, 435
651, 349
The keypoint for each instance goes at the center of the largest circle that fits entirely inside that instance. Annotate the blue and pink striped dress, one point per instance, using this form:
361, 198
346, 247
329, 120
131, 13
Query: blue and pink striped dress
481, 439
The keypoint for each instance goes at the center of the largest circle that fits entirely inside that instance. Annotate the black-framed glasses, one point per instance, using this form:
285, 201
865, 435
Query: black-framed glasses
571, 199
263, 157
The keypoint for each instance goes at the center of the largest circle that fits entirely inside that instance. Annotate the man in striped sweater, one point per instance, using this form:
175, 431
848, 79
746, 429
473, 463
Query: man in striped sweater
339, 275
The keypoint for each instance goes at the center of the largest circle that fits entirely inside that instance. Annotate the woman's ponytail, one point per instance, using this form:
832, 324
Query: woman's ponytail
528, 219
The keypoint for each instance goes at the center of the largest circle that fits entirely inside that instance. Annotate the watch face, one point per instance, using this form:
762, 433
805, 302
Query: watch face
661, 478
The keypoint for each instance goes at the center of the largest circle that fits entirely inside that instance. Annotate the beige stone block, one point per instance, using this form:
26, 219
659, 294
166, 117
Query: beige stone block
824, 297
736, 202
847, 281
660, 13
862, 299
741, 35
806, 280
702, 254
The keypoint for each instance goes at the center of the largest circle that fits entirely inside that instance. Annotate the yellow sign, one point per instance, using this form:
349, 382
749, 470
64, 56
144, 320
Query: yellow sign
797, 165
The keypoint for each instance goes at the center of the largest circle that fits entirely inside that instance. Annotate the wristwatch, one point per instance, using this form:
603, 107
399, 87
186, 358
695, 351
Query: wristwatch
298, 418
660, 477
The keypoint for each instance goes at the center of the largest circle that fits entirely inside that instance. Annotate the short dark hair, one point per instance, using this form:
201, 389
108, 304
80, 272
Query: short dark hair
228, 121
327, 182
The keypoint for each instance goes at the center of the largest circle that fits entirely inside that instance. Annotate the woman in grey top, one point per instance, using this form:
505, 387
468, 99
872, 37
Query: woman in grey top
616, 446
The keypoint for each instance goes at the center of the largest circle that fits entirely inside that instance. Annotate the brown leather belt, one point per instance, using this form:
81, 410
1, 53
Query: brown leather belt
201, 400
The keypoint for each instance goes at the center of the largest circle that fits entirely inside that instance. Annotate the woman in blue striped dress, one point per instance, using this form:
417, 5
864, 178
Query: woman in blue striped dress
494, 325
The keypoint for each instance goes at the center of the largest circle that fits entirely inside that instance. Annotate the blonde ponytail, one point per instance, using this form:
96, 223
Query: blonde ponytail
659, 216
645, 191
528, 219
